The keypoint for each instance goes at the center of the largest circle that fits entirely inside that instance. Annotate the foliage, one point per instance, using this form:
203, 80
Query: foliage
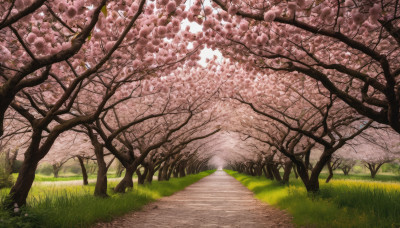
341, 203
45, 169
6, 179
67, 177
391, 167
357, 169
75, 206
363, 176
73, 168
17, 165
24, 220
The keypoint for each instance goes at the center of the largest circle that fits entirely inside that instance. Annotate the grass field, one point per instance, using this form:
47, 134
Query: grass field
75, 206
380, 177
66, 177
341, 203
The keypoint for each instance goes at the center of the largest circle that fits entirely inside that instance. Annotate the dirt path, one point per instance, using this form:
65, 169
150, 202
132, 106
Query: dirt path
215, 201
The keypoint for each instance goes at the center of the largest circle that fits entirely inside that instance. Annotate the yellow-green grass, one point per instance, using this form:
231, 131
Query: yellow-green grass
384, 177
341, 203
75, 206
64, 177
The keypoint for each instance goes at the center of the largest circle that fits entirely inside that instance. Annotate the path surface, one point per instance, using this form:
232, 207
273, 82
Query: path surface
217, 200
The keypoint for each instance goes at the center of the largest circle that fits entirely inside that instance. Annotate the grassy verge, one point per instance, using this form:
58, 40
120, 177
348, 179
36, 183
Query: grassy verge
342, 203
379, 177
41, 177
75, 206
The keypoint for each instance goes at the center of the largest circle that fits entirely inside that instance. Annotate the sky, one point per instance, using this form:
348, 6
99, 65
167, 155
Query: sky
206, 53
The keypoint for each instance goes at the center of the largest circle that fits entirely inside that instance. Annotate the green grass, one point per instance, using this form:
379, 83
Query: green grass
66, 177
342, 203
379, 177
75, 206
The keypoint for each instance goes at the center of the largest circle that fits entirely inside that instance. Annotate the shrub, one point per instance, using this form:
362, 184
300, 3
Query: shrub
6, 179
73, 168
17, 166
45, 169
357, 169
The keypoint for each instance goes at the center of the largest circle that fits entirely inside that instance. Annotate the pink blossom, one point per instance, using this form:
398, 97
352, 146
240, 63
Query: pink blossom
145, 31
349, 3
375, 12
163, 2
269, 16
109, 45
292, 6
134, 7
62, 6
325, 13
208, 23
5, 54
66, 45
31, 38
171, 6
71, 12
19, 4
39, 43
136, 63
233, 9
301, 3
207, 10
358, 18
244, 25
162, 30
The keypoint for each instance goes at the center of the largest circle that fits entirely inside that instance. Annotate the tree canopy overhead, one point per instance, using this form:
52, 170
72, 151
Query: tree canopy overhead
295, 77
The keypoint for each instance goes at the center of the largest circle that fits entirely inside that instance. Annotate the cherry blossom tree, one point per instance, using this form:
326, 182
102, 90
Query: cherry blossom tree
350, 47
121, 48
372, 148
69, 145
294, 117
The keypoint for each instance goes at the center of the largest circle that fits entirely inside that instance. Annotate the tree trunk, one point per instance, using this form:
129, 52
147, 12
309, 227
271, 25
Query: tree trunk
287, 171
100, 189
374, 168
346, 170
127, 181
302, 171
150, 174
163, 172
295, 172
182, 170
176, 171
167, 173
101, 182
84, 172
313, 183
259, 169
159, 174
373, 173
330, 172
19, 192
266, 173
120, 169
140, 177
275, 172
269, 171
56, 170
